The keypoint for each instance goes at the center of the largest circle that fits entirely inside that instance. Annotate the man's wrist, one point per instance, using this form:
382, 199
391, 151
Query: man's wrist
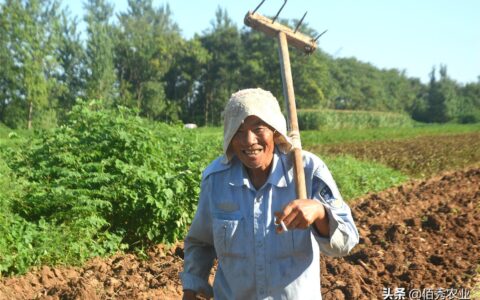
321, 224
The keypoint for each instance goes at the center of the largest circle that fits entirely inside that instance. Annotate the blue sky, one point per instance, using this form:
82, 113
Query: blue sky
408, 35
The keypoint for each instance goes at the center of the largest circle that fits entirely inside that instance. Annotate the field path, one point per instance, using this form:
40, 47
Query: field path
423, 234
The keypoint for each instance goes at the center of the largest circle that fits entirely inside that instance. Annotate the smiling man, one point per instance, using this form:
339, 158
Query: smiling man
245, 194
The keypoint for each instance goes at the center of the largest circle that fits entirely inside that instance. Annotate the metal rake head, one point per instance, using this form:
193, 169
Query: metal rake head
252, 20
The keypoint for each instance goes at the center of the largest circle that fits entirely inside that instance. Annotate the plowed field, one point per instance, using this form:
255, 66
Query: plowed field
423, 234
418, 156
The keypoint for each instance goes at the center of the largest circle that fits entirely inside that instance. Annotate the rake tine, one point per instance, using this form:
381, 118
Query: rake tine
258, 6
318, 36
285, 2
300, 22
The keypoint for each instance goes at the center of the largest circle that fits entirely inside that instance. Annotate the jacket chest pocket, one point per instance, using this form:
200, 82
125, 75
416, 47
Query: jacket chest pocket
295, 242
229, 236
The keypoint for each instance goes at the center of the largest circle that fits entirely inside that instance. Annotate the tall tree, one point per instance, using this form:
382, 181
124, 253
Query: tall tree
222, 74
260, 65
470, 110
8, 82
101, 77
310, 73
147, 43
188, 67
71, 57
442, 98
30, 31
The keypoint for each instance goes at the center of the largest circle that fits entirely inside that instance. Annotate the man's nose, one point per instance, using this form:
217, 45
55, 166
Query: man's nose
250, 138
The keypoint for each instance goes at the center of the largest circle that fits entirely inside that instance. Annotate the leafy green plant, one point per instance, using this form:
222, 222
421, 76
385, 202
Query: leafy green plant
106, 179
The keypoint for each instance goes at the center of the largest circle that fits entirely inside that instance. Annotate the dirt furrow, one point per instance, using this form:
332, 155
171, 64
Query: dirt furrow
424, 234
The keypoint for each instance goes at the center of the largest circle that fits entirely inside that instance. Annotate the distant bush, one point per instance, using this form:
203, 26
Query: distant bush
470, 118
107, 178
338, 119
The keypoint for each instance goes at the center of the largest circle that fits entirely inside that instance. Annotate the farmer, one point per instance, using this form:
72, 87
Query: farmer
246, 195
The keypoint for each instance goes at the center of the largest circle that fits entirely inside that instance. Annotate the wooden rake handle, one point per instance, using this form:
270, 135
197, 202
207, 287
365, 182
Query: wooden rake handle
289, 95
285, 35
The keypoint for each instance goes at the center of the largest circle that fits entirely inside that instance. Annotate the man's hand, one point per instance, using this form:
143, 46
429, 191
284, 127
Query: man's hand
301, 213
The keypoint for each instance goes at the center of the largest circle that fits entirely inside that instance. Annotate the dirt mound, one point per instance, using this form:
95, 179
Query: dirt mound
424, 234
123, 276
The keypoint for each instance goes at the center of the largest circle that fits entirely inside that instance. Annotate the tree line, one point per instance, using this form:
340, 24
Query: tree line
139, 59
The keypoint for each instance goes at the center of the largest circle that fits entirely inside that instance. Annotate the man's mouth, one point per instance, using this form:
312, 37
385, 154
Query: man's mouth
252, 152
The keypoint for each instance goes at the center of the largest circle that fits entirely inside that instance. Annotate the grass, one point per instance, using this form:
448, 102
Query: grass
356, 178
332, 136
327, 118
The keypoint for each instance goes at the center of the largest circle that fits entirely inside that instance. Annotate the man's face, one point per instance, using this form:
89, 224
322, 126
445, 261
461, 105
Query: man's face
253, 144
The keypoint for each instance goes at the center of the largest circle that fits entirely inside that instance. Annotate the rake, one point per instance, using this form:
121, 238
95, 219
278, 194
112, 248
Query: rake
304, 43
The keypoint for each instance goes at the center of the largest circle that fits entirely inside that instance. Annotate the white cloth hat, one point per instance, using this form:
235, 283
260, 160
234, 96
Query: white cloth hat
254, 102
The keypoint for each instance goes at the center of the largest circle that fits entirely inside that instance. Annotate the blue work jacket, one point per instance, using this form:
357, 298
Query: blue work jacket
235, 223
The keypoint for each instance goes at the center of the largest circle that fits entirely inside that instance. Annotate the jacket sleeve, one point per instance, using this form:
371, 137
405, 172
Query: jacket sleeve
199, 253
343, 232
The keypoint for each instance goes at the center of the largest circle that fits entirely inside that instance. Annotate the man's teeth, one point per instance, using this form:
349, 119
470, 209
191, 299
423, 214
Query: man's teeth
251, 152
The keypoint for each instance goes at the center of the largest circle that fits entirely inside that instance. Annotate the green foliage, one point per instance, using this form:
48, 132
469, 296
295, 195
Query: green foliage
139, 59
100, 82
356, 178
24, 243
312, 138
28, 38
469, 118
441, 98
339, 119
108, 179
105, 179
356, 85
13, 138
147, 41
189, 63
222, 72
261, 62
71, 56
445, 101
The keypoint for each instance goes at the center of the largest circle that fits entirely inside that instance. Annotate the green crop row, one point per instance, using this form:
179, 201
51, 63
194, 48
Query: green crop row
312, 138
335, 136
339, 119
356, 178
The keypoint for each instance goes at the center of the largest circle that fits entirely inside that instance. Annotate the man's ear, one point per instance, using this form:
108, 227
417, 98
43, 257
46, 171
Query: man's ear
276, 134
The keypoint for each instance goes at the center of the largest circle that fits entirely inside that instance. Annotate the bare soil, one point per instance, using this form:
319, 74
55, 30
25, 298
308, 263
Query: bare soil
423, 234
416, 156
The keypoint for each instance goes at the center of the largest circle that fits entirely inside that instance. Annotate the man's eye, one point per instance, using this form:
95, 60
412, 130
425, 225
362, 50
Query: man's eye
238, 133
